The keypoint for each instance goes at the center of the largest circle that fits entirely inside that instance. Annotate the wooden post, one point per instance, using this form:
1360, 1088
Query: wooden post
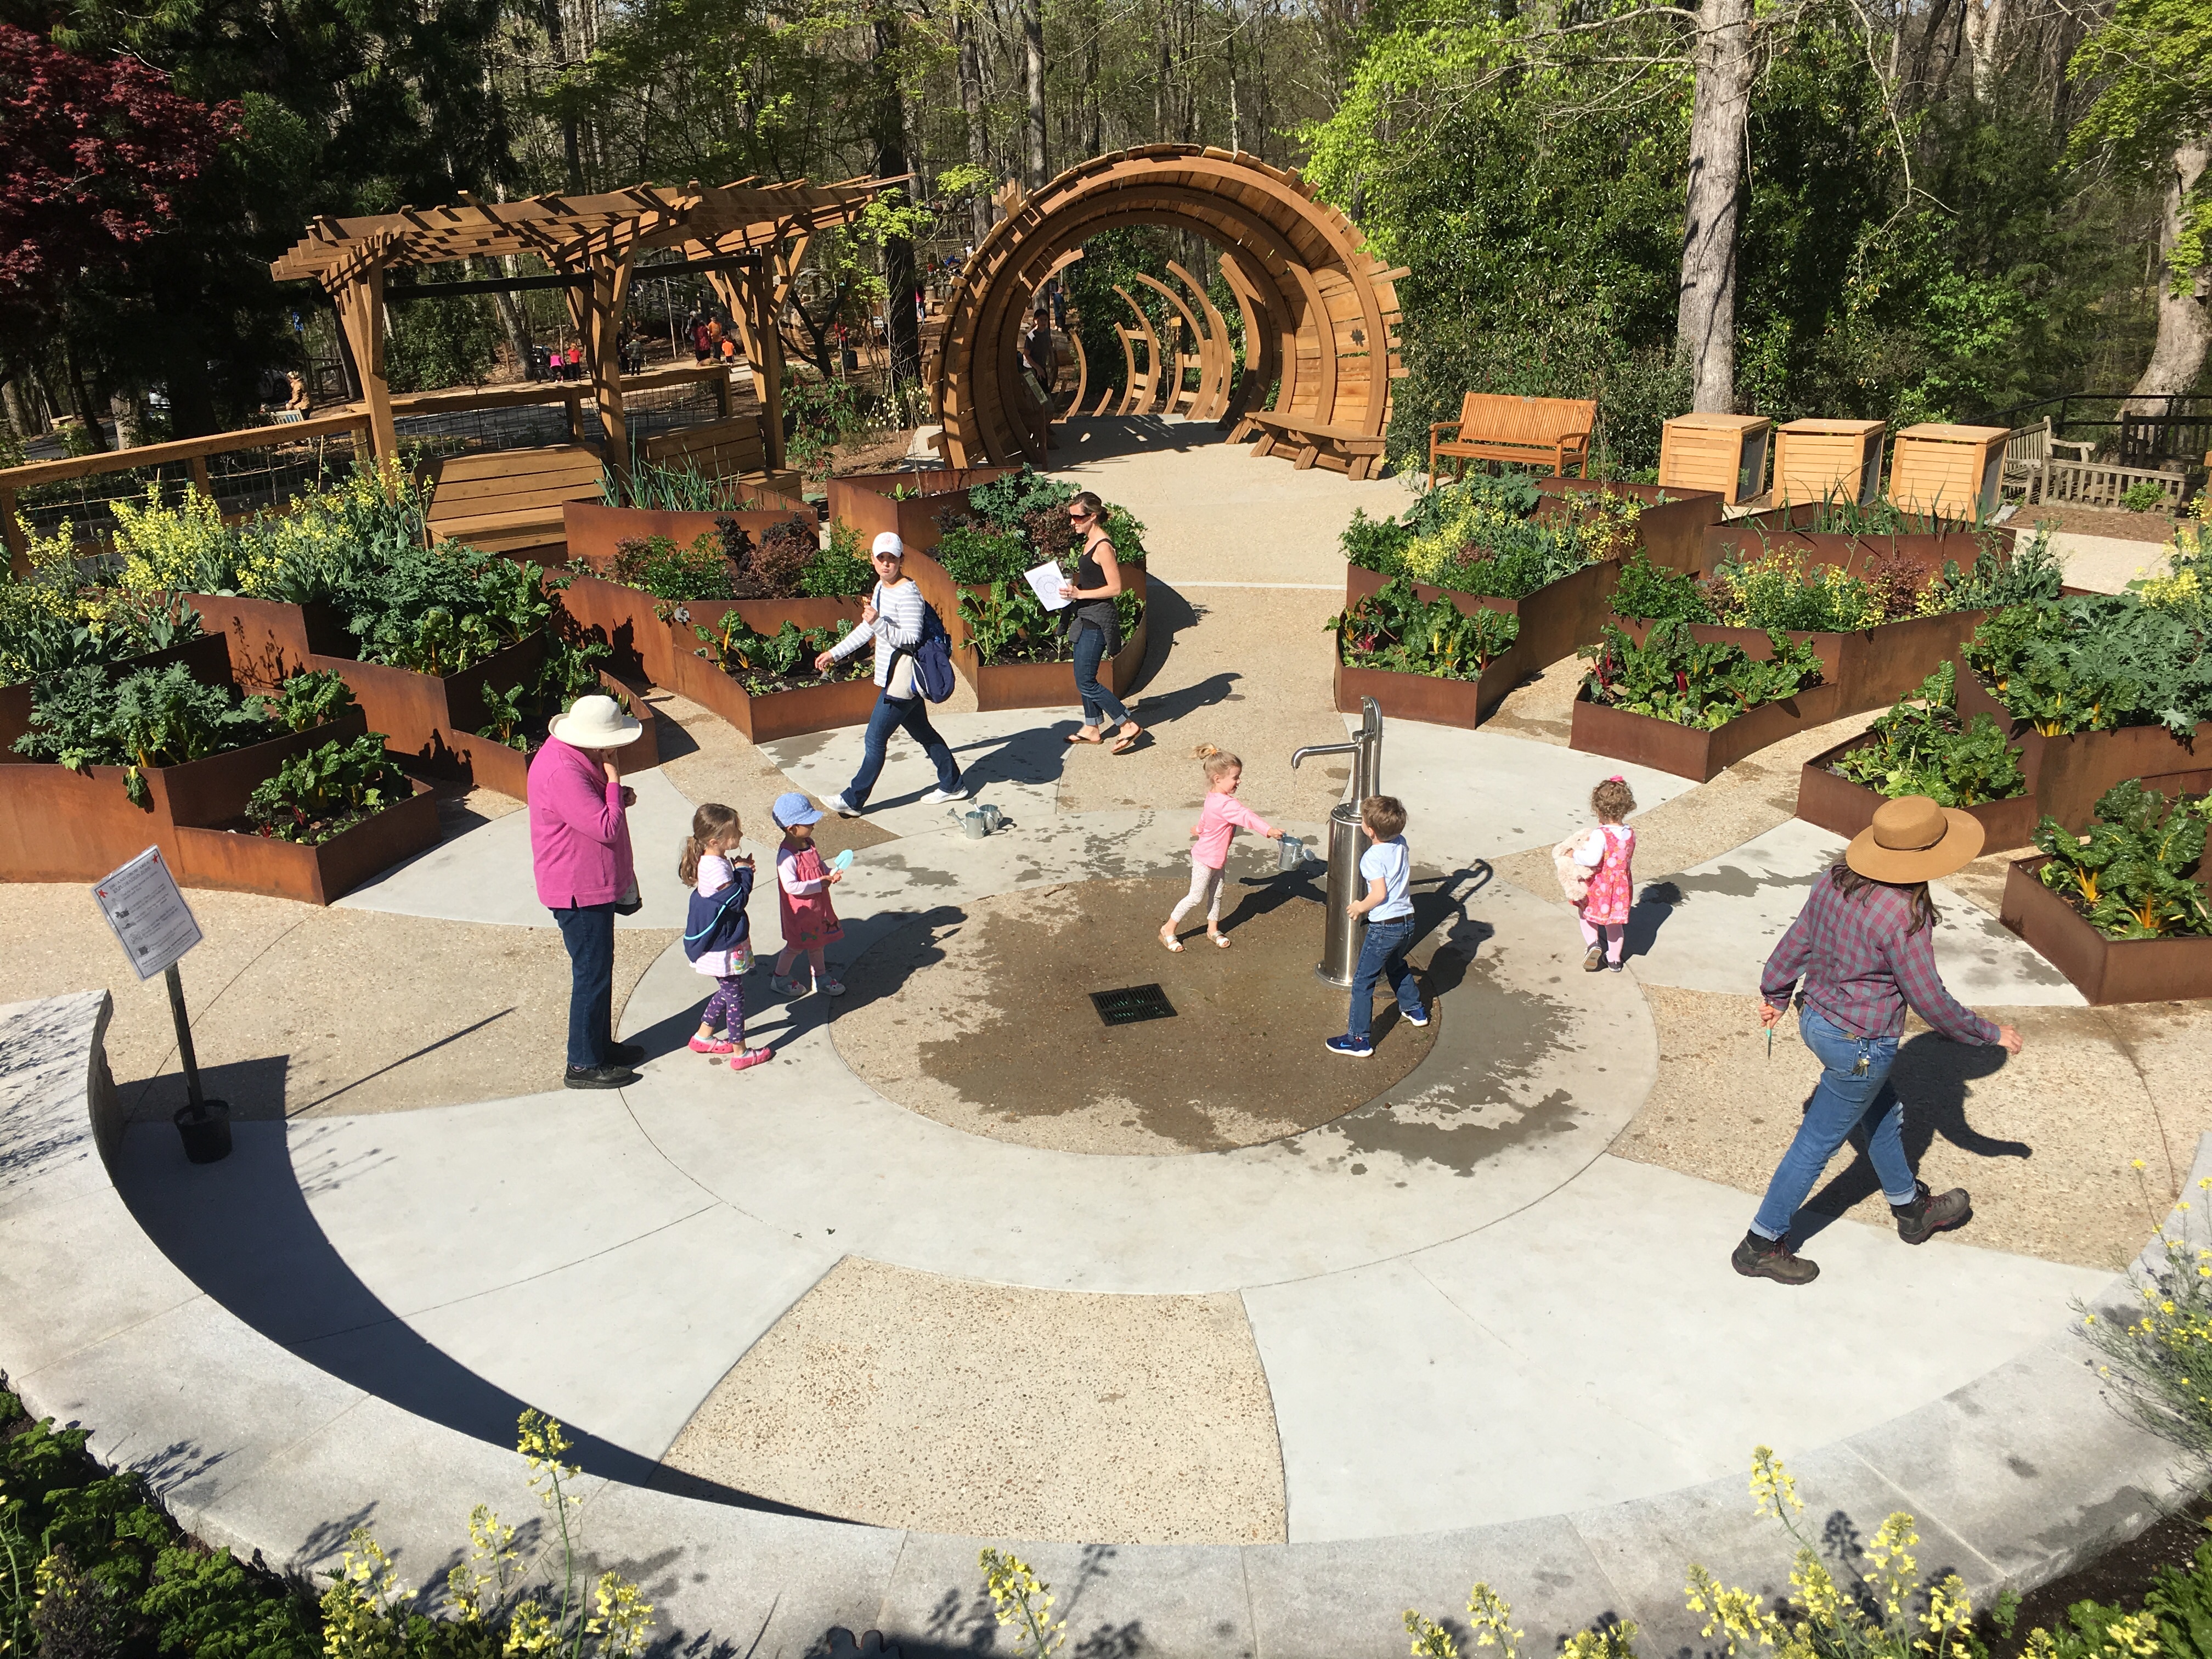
767, 366
596, 310
573, 402
200, 476
360, 299
19, 545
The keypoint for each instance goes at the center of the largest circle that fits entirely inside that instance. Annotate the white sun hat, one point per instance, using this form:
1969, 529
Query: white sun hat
889, 542
596, 723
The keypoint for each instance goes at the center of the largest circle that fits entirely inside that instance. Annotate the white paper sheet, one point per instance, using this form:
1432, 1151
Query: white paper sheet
1045, 579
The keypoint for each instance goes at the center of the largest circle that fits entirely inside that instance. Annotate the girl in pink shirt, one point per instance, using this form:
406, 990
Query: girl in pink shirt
1223, 815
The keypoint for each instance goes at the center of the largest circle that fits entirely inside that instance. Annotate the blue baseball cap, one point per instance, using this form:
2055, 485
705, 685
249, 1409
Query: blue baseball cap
792, 807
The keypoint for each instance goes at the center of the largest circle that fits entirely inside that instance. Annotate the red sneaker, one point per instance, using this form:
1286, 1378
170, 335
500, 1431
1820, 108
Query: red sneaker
751, 1057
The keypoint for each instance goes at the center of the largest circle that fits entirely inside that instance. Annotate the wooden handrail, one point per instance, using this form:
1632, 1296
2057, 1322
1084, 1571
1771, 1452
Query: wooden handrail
182, 449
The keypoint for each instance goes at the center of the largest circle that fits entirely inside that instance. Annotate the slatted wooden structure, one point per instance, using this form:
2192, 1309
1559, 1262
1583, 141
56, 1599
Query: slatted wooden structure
504, 501
1495, 426
1815, 460
1322, 312
1953, 470
593, 240
1726, 452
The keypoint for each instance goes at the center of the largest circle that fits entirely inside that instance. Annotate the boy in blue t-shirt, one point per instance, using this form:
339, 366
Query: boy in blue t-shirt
1387, 869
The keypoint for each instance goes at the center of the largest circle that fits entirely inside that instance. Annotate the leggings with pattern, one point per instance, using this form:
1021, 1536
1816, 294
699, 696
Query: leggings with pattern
728, 1002
1205, 888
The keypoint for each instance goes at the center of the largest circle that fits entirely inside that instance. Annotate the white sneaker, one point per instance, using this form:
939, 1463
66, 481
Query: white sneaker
842, 807
935, 797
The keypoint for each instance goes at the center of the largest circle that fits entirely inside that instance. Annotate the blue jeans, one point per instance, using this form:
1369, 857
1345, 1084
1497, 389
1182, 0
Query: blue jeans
1384, 956
588, 931
891, 714
1099, 704
1846, 1105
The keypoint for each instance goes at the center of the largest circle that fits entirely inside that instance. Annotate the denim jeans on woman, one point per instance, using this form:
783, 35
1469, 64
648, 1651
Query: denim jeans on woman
891, 714
1099, 705
588, 931
1382, 955
1846, 1105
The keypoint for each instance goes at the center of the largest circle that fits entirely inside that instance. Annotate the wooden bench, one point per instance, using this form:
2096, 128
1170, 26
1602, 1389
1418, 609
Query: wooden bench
507, 499
732, 448
1347, 449
1553, 432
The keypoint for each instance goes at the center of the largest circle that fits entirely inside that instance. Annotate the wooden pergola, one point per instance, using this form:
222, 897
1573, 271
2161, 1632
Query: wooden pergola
755, 233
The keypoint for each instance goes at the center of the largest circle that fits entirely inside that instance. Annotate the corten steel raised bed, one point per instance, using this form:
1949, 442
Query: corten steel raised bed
208, 658
864, 502
60, 825
2068, 774
430, 720
641, 643
594, 532
1874, 666
1844, 808
1028, 684
1672, 531
785, 714
1426, 696
2105, 971
270, 639
1698, 756
243, 862
506, 770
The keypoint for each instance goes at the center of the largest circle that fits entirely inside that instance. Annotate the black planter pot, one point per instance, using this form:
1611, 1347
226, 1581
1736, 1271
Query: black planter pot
205, 1130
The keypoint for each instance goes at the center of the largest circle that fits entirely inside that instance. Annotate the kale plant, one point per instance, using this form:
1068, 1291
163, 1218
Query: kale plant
1995, 579
2096, 662
155, 717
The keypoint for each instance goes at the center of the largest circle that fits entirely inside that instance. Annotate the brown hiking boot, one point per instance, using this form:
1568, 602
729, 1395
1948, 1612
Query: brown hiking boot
1928, 1215
1770, 1258
1594, 959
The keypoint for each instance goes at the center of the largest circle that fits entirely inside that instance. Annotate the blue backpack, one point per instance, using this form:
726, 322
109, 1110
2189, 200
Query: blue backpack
718, 923
933, 658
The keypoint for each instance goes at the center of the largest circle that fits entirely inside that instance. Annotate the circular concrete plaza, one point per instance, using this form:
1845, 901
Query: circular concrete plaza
964, 1260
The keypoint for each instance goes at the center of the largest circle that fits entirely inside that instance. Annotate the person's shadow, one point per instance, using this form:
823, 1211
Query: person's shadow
1933, 1077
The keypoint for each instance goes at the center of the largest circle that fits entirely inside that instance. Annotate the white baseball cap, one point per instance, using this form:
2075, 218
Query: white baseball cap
889, 543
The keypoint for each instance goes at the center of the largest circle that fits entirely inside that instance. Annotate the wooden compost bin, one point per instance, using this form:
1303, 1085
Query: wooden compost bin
2068, 774
1029, 684
2105, 971
1939, 468
1725, 453
1819, 460
430, 720
1844, 808
245, 862
1698, 756
863, 500
498, 766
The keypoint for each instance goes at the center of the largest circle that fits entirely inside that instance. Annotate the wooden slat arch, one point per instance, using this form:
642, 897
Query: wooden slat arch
1319, 312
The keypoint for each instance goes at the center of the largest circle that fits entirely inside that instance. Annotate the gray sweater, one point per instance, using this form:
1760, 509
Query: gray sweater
898, 627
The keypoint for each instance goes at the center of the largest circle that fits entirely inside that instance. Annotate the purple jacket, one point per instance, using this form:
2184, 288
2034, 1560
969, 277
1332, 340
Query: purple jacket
578, 838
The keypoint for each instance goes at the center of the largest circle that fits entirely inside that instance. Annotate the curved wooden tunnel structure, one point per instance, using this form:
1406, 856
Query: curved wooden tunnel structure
1320, 313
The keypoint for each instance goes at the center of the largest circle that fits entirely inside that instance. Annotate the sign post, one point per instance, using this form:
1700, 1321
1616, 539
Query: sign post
155, 927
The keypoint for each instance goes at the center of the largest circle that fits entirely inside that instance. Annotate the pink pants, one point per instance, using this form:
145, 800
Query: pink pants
1615, 935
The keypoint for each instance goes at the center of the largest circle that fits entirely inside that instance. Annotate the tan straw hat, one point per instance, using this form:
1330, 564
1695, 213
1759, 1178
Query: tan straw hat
596, 723
1912, 839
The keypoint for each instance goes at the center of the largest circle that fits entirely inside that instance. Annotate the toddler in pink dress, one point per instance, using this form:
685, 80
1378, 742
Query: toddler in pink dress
1595, 871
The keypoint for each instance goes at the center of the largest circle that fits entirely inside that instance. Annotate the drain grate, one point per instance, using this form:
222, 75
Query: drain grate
1131, 1004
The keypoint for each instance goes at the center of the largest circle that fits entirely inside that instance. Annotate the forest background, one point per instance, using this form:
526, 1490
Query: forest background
1911, 208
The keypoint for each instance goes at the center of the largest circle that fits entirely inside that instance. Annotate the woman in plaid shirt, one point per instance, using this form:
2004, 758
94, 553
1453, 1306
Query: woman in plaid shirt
1864, 946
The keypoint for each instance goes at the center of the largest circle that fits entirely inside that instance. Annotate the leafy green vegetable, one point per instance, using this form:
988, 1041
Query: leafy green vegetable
655, 565
1393, 630
326, 791
1923, 749
765, 664
441, 610
1671, 677
1007, 503
839, 570
2096, 662
309, 697
1652, 593
2134, 875
2030, 575
155, 717
1481, 536
975, 554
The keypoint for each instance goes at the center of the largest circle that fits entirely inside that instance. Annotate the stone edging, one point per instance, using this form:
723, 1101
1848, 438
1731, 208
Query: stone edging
2014, 1478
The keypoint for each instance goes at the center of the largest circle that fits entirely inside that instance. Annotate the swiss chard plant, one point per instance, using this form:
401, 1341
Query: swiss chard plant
1674, 677
308, 698
326, 791
1493, 537
765, 664
1921, 747
154, 717
2096, 662
442, 610
1393, 630
2135, 874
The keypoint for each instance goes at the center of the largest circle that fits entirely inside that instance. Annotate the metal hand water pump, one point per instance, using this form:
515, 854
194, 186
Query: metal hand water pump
1347, 840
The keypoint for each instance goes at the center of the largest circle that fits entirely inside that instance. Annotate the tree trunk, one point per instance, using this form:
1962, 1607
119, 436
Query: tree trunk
902, 335
2184, 319
19, 396
87, 412
1705, 322
1033, 85
971, 116
1985, 21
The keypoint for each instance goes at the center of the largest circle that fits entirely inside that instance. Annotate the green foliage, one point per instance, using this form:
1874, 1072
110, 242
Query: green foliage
765, 664
1006, 622
442, 342
2134, 875
2152, 65
505, 718
1653, 592
440, 610
2095, 662
1671, 677
1376, 545
1784, 590
838, 571
1923, 748
665, 487
2145, 497
1393, 630
1494, 535
308, 697
2030, 575
817, 416
655, 565
154, 717
975, 553
1006, 504
328, 790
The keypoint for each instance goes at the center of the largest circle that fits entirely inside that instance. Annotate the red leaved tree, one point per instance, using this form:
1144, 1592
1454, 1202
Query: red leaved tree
94, 153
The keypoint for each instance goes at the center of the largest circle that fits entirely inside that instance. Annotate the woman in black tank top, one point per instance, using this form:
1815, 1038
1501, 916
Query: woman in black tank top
1094, 631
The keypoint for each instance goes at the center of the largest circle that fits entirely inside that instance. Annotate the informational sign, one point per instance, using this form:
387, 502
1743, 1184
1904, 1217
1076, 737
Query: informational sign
152, 922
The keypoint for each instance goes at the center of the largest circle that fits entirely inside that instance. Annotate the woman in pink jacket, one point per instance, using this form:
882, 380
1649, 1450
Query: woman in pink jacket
579, 850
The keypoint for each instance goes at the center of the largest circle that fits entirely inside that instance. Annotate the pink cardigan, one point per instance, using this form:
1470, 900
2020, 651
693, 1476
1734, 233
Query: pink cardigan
578, 838
1222, 816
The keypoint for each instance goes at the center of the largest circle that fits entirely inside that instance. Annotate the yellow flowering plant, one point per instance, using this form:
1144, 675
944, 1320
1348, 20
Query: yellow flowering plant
2160, 1361
1023, 1602
1490, 1624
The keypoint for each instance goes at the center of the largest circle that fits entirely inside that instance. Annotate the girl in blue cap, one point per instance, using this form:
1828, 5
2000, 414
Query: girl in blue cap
802, 893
